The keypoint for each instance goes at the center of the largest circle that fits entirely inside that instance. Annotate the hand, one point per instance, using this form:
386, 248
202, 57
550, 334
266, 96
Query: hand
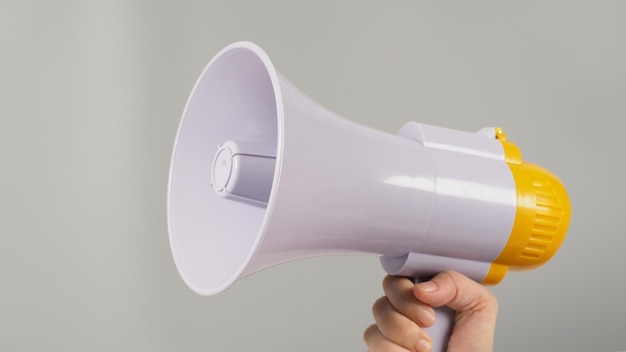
407, 308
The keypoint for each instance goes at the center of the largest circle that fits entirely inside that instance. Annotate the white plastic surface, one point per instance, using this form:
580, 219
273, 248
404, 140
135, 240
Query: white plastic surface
244, 172
213, 238
344, 188
336, 186
441, 329
422, 266
474, 208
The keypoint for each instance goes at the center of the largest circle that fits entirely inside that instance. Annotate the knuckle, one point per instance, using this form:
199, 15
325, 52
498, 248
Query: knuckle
369, 333
405, 330
388, 283
380, 306
491, 300
469, 293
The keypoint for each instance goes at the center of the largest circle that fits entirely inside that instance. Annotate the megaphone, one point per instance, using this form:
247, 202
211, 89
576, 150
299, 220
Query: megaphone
261, 175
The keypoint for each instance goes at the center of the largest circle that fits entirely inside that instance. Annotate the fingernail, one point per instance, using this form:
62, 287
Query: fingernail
423, 345
427, 286
426, 316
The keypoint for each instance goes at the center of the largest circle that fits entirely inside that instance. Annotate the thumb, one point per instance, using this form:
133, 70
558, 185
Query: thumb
456, 291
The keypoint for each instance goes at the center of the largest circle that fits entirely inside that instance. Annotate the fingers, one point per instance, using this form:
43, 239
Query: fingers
406, 308
396, 327
399, 290
377, 342
399, 317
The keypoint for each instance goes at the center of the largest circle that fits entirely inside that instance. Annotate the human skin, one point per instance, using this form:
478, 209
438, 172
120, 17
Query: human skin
407, 308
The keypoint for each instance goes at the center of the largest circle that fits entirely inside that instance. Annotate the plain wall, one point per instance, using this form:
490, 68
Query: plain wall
91, 93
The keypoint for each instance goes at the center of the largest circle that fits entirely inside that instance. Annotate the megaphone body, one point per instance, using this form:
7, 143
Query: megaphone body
262, 175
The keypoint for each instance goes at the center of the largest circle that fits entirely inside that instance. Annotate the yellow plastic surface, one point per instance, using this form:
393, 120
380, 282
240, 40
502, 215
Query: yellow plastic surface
541, 219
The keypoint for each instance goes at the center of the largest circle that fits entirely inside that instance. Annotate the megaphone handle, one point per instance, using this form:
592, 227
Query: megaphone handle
440, 331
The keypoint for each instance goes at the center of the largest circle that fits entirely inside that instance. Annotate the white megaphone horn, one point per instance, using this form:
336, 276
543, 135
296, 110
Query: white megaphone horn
261, 175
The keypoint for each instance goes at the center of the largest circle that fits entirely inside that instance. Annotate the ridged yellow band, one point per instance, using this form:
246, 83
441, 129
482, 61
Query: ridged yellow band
541, 218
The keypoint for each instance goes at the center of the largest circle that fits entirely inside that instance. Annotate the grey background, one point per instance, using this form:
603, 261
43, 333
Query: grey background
91, 95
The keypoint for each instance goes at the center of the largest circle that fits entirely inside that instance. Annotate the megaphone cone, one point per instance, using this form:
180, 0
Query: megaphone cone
328, 185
